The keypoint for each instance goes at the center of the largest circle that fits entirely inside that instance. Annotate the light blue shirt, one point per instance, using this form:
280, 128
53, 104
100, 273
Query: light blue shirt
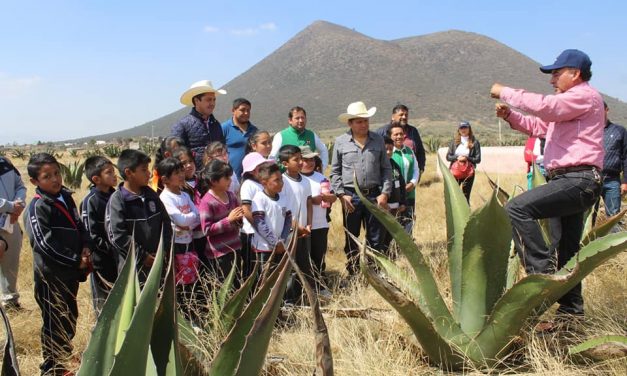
236, 142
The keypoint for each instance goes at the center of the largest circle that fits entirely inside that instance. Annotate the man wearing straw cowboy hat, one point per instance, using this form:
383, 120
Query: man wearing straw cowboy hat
199, 127
572, 121
362, 153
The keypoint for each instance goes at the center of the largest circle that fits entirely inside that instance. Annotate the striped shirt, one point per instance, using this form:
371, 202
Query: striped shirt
222, 235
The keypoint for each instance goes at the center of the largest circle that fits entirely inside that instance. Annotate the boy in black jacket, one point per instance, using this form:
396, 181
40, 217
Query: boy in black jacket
61, 258
101, 173
135, 212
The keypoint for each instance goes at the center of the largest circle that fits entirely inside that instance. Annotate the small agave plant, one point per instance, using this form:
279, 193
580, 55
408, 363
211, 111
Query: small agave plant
139, 332
72, 173
487, 313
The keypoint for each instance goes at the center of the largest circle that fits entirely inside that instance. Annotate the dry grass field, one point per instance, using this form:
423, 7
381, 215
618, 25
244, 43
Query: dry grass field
377, 341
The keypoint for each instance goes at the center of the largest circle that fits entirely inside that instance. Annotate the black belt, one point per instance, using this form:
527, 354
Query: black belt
365, 191
565, 170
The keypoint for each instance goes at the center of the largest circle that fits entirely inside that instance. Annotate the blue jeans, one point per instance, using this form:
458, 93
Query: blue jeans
611, 195
564, 199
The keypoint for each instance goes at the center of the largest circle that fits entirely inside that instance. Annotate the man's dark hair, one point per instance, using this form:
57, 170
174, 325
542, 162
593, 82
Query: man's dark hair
240, 101
216, 170
198, 97
288, 151
267, 169
131, 159
400, 107
387, 140
605, 105
586, 74
37, 161
296, 109
95, 165
169, 166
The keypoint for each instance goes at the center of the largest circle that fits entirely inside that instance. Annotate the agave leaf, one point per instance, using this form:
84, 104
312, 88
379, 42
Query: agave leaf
437, 348
604, 228
537, 178
513, 267
10, 366
235, 305
595, 342
426, 283
487, 239
502, 196
457, 214
228, 357
536, 293
114, 319
324, 355
227, 285
131, 359
446, 327
164, 343
190, 348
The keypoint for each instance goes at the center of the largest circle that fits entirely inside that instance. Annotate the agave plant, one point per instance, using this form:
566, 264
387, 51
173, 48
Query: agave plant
18, 153
138, 333
431, 144
112, 151
72, 173
486, 315
10, 366
92, 153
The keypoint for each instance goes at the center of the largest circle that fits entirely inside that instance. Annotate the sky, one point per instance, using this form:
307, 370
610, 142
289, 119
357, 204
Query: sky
72, 69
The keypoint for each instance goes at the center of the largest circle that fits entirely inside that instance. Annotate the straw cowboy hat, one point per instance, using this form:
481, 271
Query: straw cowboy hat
199, 87
357, 110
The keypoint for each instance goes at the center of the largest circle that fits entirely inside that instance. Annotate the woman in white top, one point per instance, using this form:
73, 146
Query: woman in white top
465, 148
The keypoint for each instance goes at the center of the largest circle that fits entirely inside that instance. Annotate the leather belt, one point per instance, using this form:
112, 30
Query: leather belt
565, 170
366, 191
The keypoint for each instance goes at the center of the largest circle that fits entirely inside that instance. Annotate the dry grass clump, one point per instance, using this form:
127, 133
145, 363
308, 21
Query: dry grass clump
367, 336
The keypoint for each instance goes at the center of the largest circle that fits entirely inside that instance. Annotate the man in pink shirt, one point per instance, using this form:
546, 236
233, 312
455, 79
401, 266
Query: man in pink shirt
572, 123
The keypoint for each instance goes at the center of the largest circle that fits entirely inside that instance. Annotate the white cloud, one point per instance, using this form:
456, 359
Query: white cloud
268, 26
14, 87
211, 29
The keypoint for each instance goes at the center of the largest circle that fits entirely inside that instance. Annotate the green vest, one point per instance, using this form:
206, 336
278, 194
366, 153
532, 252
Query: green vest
289, 136
399, 156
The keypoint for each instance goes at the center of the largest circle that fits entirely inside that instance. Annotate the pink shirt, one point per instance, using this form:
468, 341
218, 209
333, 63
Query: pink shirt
572, 123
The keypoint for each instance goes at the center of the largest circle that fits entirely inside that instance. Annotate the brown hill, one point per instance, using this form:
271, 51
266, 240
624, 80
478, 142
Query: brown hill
443, 77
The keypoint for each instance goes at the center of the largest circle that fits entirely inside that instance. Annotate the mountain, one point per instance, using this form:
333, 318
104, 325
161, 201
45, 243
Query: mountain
442, 77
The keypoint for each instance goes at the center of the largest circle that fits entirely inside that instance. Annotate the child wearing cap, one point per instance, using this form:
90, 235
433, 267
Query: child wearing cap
251, 184
319, 223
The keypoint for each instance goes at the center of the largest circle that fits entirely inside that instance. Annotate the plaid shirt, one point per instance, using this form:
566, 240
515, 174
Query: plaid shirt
222, 235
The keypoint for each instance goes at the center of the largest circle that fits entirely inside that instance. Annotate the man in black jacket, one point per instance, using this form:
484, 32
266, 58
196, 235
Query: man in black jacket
400, 114
614, 162
199, 128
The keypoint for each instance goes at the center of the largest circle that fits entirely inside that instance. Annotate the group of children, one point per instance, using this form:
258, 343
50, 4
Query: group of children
215, 221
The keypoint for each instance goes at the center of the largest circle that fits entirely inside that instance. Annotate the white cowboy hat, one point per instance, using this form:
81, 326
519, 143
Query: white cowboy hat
199, 87
356, 110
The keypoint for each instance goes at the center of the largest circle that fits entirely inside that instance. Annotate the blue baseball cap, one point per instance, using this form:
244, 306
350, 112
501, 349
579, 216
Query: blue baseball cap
464, 124
570, 59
